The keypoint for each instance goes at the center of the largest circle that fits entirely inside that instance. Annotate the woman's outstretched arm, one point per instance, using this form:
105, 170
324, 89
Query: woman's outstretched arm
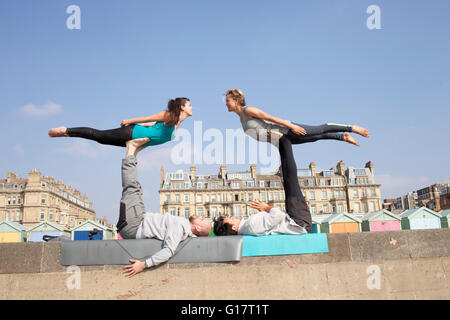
258, 113
161, 116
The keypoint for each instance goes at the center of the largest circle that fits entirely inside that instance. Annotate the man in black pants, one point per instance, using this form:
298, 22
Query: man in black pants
271, 220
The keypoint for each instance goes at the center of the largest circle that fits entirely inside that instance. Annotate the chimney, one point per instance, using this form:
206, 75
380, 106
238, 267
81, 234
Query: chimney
192, 172
34, 178
253, 171
312, 166
162, 176
11, 177
370, 166
341, 168
223, 171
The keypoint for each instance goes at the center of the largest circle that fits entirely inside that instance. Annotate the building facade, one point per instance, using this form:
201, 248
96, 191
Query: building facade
336, 190
38, 198
435, 197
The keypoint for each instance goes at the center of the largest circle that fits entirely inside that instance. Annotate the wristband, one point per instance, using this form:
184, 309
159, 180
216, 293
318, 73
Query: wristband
268, 208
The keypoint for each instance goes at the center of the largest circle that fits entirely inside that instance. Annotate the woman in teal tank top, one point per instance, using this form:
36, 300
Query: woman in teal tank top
159, 128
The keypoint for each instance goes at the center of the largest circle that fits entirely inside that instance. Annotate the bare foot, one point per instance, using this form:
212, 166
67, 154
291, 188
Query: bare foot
360, 131
348, 138
58, 132
136, 145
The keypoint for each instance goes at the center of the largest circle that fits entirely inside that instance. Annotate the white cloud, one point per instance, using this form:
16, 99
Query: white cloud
153, 159
396, 186
85, 148
18, 148
48, 109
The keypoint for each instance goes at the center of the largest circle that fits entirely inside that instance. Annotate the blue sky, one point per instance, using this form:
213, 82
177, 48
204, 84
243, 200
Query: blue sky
306, 61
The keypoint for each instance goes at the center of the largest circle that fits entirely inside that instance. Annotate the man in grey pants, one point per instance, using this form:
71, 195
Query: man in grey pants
136, 223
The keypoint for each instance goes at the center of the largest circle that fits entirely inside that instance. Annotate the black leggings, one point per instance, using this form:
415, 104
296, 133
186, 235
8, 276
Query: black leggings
114, 137
322, 132
296, 206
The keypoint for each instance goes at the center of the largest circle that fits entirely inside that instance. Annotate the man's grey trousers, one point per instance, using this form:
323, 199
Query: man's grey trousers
132, 207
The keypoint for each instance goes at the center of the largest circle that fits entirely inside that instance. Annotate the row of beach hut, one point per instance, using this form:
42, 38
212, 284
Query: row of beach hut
383, 220
14, 232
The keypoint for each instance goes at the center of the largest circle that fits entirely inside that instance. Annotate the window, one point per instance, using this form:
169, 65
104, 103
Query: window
328, 173
325, 209
14, 200
236, 185
172, 211
372, 192
9, 200
186, 213
236, 197
310, 182
270, 196
356, 207
340, 208
199, 198
371, 207
261, 184
336, 194
199, 185
43, 199
322, 182
363, 193
334, 209
167, 198
313, 209
355, 194
42, 215
207, 198
11, 216
275, 196
199, 212
237, 211
311, 195
214, 212
304, 172
262, 197
324, 195
250, 197
177, 198
186, 198
19, 200
50, 216
213, 198
251, 211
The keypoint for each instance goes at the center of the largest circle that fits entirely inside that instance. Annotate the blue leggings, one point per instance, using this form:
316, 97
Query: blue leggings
327, 131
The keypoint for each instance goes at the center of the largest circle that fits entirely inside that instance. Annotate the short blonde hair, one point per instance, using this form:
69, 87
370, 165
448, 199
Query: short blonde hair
237, 95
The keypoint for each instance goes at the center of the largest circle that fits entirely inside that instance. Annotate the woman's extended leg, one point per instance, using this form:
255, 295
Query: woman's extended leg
115, 137
332, 128
296, 139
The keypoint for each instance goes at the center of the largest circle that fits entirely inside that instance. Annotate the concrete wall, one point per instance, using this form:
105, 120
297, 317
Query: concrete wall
411, 264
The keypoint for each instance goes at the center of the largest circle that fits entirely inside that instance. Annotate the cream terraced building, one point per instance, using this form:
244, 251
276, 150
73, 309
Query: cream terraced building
227, 193
30, 201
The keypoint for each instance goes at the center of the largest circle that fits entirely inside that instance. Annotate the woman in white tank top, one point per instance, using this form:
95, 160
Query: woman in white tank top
254, 124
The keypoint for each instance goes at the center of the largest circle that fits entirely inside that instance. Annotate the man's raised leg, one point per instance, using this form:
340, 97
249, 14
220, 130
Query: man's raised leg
296, 205
132, 206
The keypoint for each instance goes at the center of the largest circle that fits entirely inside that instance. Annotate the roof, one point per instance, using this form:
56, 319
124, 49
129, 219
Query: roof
94, 223
53, 225
445, 213
412, 212
336, 216
375, 214
15, 225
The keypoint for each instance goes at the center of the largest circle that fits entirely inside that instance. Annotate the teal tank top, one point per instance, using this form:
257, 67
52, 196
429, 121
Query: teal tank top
158, 133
